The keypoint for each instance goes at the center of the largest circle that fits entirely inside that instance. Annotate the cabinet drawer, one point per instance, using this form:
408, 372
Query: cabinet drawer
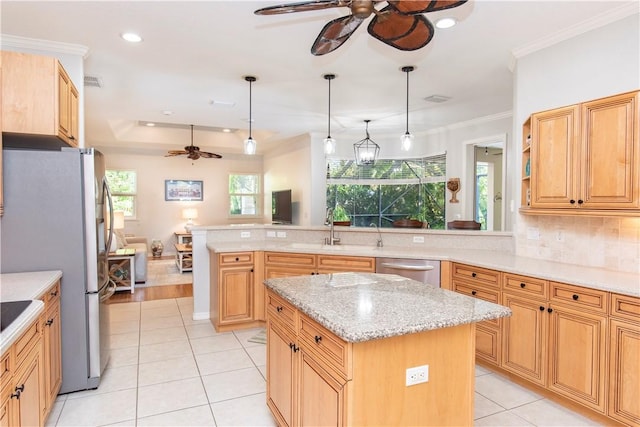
28, 340
51, 295
527, 285
577, 296
279, 309
233, 258
480, 275
479, 292
626, 307
346, 263
6, 369
324, 343
289, 259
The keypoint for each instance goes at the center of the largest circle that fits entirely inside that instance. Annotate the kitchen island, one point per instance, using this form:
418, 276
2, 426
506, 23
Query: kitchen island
340, 348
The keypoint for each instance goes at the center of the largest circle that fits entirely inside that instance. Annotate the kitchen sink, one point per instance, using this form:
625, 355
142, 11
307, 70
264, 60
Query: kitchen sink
10, 310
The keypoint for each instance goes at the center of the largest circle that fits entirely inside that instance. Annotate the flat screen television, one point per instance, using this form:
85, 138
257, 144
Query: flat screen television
281, 207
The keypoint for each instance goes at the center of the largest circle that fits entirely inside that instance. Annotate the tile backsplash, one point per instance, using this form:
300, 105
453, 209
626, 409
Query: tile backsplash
605, 242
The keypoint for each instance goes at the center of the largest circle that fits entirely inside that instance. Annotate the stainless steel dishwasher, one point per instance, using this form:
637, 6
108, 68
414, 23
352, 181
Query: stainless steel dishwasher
422, 270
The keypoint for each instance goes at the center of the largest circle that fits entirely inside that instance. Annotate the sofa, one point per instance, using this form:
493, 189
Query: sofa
140, 245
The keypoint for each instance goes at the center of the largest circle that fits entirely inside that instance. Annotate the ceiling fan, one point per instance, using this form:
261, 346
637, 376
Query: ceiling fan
193, 152
400, 24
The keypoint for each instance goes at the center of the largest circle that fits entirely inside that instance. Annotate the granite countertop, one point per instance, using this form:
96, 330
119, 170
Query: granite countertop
589, 277
20, 287
367, 306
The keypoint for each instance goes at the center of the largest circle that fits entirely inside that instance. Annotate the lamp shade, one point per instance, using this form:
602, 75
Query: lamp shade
118, 220
189, 213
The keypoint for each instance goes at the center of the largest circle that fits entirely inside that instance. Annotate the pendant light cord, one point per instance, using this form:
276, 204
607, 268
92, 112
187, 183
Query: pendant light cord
407, 100
250, 120
329, 116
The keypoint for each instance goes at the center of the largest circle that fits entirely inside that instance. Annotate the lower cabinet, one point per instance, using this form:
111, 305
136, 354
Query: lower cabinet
281, 371
318, 385
52, 335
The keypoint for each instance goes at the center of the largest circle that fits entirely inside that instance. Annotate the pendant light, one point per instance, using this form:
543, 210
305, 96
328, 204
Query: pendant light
329, 143
366, 150
250, 143
407, 139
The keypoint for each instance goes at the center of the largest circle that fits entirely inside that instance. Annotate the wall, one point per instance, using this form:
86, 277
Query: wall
159, 219
602, 62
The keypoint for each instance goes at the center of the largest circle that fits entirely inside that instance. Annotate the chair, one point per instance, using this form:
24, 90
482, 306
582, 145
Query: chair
463, 225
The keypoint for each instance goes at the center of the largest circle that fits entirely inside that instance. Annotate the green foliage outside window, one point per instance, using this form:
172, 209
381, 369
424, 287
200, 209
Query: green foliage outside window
123, 186
244, 194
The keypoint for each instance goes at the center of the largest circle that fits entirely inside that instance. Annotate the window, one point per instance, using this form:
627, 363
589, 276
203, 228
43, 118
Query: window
244, 195
123, 185
388, 190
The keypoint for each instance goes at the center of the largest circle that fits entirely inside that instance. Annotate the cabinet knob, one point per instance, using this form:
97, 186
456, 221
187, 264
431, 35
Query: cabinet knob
575, 297
20, 388
572, 201
473, 274
522, 285
54, 293
279, 308
541, 308
318, 339
550, 310
237, 259
313, 273
49, 322
252, 270
293, 347
473, 292
580, 201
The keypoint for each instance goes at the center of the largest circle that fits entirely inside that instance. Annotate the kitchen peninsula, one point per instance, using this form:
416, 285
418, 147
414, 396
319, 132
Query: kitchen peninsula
346, 341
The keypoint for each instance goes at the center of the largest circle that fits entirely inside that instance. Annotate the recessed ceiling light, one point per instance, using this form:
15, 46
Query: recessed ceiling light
131, 37
167, 112
226, 130
150, 124
219, 103
446, 22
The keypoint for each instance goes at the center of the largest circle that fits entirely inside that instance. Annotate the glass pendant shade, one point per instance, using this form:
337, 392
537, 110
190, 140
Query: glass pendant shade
250, 143
366, 150
329, 145
406, 141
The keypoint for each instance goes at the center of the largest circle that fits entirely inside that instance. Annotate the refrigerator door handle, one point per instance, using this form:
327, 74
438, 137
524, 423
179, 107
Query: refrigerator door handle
107, 193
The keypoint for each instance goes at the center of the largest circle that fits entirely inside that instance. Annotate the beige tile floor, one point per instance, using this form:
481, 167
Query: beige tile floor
169, 370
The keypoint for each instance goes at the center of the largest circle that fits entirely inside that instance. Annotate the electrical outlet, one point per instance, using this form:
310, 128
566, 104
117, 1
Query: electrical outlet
417, 375
418, 239
281, 234
271, 234
245, 234
533, 233
559, 236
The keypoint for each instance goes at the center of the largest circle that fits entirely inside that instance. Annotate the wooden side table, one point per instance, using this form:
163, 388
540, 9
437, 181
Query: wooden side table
183, 238
184, 257
122, 269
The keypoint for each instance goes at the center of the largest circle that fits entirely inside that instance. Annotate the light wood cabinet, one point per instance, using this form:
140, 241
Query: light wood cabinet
52, 345
284, 264
281, 370
39, 99
583, 159
624, 357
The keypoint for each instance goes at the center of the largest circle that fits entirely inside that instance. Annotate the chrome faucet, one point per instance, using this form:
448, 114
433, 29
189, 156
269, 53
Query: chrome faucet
332, 239
379, 242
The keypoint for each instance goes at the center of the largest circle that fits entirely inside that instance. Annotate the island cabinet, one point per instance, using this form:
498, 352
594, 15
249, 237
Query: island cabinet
235, 300
484, 284
624, 354
583, 159
38, 99
52, 345
22, 402
556, 337
284, 264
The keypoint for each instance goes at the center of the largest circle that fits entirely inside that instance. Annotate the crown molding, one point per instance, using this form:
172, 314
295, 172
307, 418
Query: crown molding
613, 15
473, 122
17, 42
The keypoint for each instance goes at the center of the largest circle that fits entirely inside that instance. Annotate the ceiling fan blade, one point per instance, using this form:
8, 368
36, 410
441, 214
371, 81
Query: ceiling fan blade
334, 34
176, 153
404, 32
302, 6
208, 155
410, 7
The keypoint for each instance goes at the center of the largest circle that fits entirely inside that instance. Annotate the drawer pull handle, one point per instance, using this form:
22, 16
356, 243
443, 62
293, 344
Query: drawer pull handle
541, 308
16, 395
318, 339
54, 293
473, 292
279, 308
522, 285
49, 322
473, 274
20, 388
293, 347
550, 310
575, 297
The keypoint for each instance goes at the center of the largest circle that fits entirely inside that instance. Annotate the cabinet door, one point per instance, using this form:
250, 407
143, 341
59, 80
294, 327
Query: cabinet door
64, 107
524, 338
624, 372
554, 167
577, 350
610, 177
52, 354
74, 117
321, 399
236, 298
5, 408
280, 373
29, 409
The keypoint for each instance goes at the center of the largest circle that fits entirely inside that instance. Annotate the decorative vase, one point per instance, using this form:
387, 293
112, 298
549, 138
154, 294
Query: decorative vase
156, 248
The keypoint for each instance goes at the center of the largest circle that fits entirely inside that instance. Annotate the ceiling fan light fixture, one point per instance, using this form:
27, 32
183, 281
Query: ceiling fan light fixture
406, 140
446, 22
250, 144
366, 150
329, 142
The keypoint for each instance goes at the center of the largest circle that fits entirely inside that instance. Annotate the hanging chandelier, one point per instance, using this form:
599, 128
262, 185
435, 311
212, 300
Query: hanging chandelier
250, 143
366, 150
329, 143
406, 140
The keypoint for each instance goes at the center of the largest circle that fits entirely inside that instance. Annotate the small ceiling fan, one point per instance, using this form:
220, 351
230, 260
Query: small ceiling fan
400, 24
193, 152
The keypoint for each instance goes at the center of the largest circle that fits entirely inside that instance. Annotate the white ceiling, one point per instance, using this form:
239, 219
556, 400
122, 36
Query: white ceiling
196, 52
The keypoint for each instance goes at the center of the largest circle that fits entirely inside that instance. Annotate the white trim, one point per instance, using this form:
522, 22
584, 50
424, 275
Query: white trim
472, 122
18, 42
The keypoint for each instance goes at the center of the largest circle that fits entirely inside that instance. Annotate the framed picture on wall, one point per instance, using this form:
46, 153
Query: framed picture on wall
177, 189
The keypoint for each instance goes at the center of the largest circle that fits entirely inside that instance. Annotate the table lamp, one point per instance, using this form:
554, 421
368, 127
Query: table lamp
189, 214
118, 224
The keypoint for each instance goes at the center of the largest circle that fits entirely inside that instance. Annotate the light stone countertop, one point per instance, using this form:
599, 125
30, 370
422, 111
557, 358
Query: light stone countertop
20, 287
589, 277
361, 307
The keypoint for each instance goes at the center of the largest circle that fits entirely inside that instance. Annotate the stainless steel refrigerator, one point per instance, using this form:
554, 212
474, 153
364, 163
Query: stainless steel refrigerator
56, 203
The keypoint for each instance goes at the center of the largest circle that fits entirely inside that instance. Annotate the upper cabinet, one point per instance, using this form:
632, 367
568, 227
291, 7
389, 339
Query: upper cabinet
39, 99
583, 159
